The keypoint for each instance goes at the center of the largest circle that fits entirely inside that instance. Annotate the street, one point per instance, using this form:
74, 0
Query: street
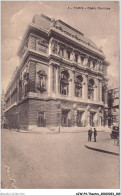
38, 161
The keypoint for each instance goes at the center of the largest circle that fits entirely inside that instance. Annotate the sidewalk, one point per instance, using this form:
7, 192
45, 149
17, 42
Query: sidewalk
56, 129
109, 146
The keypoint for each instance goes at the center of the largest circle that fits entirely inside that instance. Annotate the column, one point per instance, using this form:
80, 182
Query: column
70, 88
87, 118
75, 114
51, 47
79, 59
97, 66
106, 97
96, 119
100, 90
72, 84
50, 79
57, 78
85, 87
96, 90
65, 53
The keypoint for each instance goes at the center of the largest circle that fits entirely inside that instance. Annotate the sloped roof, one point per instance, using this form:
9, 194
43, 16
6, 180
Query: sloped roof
46, 23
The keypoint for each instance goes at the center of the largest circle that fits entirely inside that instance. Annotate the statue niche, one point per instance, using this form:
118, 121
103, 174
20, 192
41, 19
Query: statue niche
42, 81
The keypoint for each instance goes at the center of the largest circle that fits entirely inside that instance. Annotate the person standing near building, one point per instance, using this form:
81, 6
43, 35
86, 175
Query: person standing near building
95, 134
90, 134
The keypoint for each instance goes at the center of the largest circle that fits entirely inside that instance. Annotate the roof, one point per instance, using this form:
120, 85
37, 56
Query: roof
45, 23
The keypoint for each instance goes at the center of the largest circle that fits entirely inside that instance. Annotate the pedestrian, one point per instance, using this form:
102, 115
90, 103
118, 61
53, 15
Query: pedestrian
95, 134
90, 134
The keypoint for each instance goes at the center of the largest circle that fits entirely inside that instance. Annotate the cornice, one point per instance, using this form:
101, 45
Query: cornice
28, 29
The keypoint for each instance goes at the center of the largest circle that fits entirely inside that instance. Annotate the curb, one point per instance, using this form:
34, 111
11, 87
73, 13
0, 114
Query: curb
104, 151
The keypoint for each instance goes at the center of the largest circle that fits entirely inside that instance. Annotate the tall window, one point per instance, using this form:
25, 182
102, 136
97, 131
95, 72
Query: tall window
42, 81
64, 83
91, 89
78, 86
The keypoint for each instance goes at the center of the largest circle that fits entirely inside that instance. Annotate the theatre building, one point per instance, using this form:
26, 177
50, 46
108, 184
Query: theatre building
61, 79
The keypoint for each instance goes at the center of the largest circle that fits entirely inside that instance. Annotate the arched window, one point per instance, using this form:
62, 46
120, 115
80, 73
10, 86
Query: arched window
91, 89
42, 81
64, 83
78, 86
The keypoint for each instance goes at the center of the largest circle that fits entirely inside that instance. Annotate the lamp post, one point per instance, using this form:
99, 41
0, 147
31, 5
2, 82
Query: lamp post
59, 114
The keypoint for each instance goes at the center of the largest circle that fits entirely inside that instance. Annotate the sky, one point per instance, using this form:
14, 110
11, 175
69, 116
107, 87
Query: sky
101, 25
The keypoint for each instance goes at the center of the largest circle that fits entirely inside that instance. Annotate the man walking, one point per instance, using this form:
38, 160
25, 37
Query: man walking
95, 134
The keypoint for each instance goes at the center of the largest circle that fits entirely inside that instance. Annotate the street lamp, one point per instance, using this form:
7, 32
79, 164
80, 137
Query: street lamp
59, 114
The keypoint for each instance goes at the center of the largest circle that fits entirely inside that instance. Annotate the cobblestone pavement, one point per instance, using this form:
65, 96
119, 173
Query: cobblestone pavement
56, 161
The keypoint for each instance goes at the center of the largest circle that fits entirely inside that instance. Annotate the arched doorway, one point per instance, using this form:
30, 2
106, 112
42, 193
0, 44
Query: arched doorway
65, 121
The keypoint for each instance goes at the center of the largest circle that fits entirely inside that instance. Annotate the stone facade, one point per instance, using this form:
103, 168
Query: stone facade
113, 106
61, 80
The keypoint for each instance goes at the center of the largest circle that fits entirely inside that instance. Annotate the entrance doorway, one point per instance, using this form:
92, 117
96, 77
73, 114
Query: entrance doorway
65, 120
41, 119
79, 118
92, 114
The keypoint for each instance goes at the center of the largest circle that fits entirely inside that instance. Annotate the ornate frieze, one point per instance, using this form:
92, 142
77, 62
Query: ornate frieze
41, 44
62, 50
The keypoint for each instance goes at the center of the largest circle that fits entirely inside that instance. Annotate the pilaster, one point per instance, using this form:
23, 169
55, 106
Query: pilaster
85, 87
50, 79
96, 90
72, 82
100, 90
57, 78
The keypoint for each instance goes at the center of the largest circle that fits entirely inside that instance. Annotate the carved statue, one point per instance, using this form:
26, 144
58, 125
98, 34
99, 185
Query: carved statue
54, 22
72, 56
85, 61
91, 65
79, 59
52, 47
87, 108
65, 54
97, 66
58, 49
74, 106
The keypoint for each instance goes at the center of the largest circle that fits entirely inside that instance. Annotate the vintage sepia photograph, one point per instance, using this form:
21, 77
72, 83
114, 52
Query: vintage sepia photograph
60, 95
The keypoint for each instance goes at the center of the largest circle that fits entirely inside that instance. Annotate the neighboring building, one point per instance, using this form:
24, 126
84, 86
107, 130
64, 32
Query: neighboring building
62, 78
2, 107
113, 104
